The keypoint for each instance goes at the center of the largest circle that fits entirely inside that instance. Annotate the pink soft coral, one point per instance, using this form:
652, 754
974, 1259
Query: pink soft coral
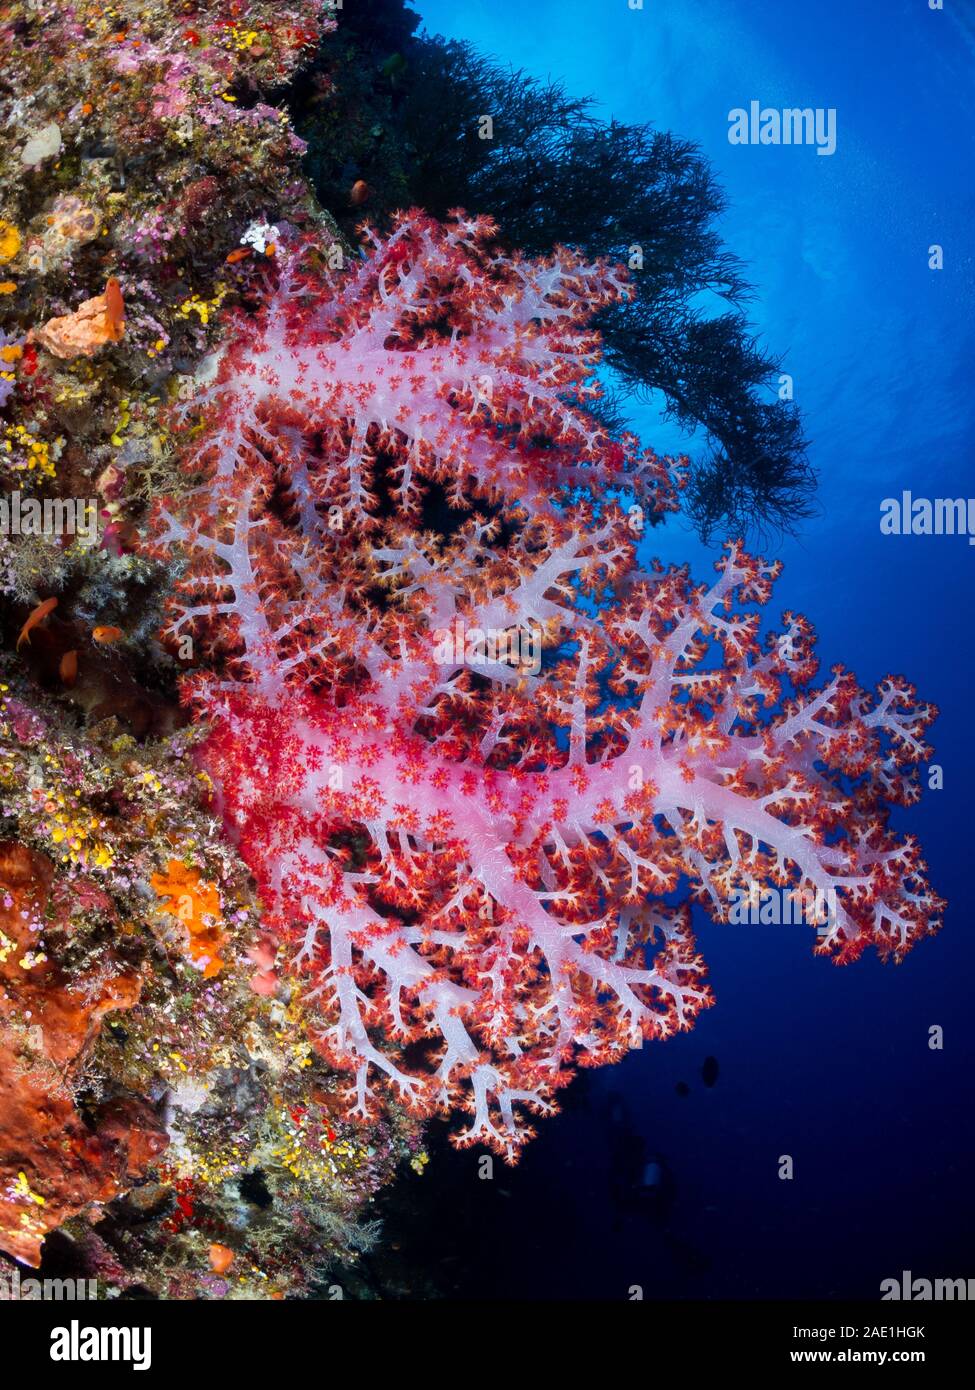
467, 854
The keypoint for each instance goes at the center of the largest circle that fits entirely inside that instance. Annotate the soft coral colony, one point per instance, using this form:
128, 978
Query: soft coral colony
472, 863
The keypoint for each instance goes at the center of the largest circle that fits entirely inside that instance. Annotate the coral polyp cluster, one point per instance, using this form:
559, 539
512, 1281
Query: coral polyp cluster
467, 859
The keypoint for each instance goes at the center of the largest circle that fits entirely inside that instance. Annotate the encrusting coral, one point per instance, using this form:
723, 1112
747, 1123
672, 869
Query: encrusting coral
53, 1162
130, 1033
142, 147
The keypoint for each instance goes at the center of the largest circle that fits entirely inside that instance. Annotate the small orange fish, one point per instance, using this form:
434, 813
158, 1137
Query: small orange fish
115, 308
68, 669
240, 254
37, 616
359, 193
105, 636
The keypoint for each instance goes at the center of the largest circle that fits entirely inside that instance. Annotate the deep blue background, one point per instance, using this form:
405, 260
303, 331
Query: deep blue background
828, 1065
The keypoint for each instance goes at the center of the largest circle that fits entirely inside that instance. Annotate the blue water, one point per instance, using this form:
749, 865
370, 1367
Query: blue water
830, 1066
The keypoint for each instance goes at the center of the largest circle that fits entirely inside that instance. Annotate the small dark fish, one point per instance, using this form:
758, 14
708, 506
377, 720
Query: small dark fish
709, 1071
682, 1088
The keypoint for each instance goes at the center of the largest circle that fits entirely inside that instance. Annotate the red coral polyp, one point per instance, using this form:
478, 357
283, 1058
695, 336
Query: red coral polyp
470, 858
